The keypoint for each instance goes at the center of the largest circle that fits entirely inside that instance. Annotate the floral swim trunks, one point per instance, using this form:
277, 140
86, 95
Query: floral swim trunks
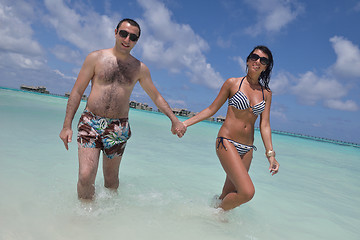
108, 134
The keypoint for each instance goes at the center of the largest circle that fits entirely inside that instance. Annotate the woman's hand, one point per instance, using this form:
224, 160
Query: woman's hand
274, 165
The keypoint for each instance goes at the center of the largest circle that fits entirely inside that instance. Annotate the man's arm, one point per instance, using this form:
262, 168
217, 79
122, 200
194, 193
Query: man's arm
149, 87
85, 75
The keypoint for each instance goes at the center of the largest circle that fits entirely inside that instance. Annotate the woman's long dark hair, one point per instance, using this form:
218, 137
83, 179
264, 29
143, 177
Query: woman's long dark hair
264, 78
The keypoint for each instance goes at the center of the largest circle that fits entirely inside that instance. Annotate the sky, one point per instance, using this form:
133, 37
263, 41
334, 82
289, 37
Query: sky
192, 47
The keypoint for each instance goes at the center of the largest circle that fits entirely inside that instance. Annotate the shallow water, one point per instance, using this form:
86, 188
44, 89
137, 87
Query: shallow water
166, 184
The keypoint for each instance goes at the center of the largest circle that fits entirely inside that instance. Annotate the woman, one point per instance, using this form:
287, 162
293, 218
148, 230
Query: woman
248, 97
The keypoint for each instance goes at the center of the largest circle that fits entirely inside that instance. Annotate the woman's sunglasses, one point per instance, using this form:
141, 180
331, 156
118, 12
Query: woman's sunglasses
263, 60
133, 37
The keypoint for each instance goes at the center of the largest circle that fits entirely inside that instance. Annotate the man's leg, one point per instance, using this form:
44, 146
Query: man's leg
111, 171
88, 165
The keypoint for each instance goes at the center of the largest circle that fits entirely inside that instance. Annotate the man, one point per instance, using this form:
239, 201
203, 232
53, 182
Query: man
104, 123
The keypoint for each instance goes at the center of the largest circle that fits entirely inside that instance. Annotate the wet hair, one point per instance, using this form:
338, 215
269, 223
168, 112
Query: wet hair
264, 78
132, 23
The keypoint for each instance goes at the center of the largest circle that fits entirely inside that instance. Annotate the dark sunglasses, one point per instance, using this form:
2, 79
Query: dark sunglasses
133, 37
263, 60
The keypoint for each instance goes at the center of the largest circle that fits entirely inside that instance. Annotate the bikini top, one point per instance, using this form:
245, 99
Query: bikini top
240, 101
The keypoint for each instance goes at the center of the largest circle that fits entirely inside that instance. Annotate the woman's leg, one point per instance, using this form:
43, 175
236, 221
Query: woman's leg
238, 187
227, 188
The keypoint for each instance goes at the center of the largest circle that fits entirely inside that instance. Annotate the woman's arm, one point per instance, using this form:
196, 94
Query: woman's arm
214, 107
265, 131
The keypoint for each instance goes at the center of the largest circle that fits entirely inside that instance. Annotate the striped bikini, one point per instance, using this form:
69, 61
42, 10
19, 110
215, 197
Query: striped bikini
240, 101
241, 148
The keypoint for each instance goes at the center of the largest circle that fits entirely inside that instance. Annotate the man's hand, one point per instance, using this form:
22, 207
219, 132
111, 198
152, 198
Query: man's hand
178, 128
66, 135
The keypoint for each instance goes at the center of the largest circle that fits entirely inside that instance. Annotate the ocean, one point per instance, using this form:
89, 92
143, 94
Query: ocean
167, 184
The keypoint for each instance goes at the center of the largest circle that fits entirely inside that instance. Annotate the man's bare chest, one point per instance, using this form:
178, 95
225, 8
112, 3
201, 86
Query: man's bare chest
113, 71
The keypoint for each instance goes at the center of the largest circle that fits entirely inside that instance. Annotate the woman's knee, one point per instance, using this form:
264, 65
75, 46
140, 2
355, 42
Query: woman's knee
245, 195
248, 193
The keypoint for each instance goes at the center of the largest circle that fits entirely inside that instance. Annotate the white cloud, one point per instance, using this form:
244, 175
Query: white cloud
85, 29
278, 114
16, 32
348, 105
223, 43
26, 62
280, 83
58, 72
242, 63
66, 54
348, 57
168, 44
278, 19
312, 88
175, 46
18, 49
273, 15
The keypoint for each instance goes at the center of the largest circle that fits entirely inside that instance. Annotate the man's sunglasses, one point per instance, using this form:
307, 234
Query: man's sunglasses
133, 37
263, 60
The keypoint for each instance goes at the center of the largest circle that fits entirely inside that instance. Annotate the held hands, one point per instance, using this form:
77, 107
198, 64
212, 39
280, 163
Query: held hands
178, 128
66, 135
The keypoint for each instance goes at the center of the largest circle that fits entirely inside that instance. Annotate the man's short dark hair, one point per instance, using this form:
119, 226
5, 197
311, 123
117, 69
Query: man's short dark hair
132, 23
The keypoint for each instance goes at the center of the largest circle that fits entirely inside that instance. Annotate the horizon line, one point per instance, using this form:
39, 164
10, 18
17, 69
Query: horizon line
280, 132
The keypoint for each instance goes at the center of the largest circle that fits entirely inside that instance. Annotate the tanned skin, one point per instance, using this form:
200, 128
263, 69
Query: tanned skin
113, 73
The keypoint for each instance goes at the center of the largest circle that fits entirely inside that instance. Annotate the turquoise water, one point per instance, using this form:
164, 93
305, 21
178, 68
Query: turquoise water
166, 183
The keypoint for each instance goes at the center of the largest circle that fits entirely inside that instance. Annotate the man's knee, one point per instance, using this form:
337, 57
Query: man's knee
111, 181
86, 177
111, 172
